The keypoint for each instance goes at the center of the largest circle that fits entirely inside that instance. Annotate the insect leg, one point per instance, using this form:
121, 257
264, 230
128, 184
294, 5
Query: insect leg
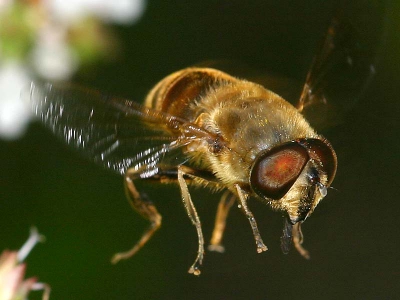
146, 209
194, 217
298, 240
243, 202
225, 204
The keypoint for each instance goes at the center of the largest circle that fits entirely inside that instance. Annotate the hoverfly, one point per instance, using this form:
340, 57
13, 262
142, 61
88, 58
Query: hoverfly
201, 126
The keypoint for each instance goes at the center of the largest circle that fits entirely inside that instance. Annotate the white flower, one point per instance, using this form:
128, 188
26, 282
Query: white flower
12, 272
14, 113
4, 4
52, 58
121, 11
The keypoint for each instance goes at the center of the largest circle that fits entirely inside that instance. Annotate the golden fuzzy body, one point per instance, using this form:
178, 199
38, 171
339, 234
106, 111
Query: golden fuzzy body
199, 126
202, 126
247, 119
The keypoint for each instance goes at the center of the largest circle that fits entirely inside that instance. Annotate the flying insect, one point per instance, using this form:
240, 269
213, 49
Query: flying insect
202, 126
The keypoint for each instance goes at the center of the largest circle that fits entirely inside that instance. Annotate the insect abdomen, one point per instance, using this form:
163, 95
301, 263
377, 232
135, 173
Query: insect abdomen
177, 93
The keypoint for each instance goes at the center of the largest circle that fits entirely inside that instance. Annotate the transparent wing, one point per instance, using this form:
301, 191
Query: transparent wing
114, 132
341, 70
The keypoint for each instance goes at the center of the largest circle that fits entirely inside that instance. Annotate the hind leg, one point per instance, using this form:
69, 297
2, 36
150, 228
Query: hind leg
146, 209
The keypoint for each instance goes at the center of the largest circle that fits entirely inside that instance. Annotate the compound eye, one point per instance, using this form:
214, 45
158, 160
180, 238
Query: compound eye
323, 152
275, 171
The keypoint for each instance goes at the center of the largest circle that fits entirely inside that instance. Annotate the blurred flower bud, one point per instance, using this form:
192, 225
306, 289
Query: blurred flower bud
12, 272
14, 113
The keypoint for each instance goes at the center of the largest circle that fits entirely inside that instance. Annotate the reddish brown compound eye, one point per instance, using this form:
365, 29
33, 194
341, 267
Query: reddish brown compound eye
322, 151
275, 170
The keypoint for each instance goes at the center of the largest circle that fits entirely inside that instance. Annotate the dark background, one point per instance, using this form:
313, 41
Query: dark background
353, 236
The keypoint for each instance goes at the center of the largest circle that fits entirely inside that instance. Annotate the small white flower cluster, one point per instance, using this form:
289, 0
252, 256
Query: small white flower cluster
14, 114
121, 11
50, 39
13, 285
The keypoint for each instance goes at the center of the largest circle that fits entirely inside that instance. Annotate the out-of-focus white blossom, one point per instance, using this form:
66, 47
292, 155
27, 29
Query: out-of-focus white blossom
52, 57
12, 272
52, 39
14, 113
5, 4
121, 11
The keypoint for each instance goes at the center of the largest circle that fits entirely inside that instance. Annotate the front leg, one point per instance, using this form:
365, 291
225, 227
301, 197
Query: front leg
243, 203
146, 209
298, 240
194, 217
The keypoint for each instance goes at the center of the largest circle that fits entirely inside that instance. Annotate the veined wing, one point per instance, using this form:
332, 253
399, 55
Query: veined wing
341, 70
114, 132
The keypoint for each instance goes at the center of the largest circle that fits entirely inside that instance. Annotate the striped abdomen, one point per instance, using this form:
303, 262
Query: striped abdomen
177, 93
